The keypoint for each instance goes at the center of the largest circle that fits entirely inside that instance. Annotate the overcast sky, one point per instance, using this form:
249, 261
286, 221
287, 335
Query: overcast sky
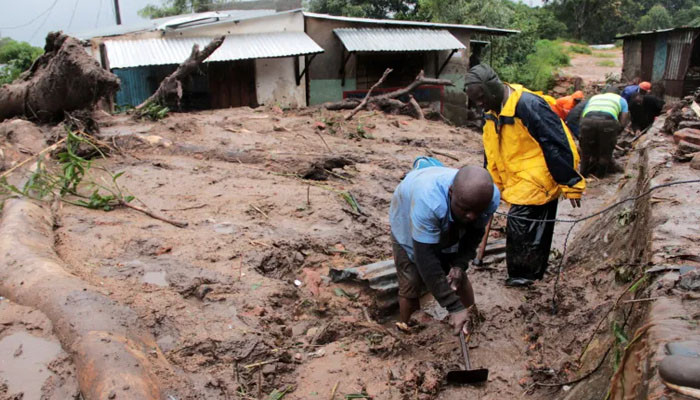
33, 19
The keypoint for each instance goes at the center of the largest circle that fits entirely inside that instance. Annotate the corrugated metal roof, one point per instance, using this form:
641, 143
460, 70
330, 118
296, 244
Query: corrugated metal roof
134, 53
630, 35
176, 21
484, 29
380, 39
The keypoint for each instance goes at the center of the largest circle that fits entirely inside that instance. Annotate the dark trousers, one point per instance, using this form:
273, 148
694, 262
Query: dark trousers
598, 138
528, 242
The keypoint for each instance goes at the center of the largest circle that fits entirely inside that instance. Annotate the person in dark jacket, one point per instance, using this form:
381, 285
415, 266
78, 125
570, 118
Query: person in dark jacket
438, 217
573, 120
644, 108
533, 160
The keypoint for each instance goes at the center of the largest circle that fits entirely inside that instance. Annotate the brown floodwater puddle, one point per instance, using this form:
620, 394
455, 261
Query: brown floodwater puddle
24, 360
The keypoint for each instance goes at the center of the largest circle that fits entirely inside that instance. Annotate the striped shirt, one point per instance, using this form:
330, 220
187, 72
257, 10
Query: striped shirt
610, 103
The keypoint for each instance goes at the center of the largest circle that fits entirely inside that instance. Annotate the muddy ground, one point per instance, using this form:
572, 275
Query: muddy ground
220, 295
595, 67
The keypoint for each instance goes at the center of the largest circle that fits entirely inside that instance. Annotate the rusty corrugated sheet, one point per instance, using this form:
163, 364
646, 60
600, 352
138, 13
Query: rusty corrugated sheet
648, 51
379, 39
162, 51
632, 59
679, 48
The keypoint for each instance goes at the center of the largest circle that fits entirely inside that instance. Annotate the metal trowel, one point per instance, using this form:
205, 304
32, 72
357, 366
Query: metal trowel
468, 376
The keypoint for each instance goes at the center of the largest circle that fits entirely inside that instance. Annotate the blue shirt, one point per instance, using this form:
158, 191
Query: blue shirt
629, 91
420, 208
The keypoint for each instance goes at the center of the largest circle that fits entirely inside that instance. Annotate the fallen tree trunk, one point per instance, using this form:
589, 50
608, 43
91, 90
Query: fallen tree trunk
64, 78
389, 102
169, 93
114, 357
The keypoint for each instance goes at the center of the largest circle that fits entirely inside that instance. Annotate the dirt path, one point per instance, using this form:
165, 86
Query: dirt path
595, 67
220, 295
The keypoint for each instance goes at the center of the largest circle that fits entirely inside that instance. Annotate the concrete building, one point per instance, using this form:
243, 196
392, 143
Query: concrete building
289, 58
358, 50
261, 61
668, 58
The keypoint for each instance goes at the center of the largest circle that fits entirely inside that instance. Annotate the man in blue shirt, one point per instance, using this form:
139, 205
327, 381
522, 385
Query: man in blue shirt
438, 216
631, 90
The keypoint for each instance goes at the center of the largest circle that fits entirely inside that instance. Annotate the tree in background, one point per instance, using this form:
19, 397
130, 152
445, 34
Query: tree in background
176, 7
690, 17
657, 18
16, 58
364, 9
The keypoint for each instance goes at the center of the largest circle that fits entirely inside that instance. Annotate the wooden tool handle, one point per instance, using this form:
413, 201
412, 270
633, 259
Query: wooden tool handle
465, 351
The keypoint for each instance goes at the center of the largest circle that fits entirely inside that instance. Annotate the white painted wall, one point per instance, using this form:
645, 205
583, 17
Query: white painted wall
275, 83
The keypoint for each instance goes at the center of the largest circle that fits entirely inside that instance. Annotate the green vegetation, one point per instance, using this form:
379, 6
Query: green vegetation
65, 183
657, 18
690, 17
604, 55
580, 49
17, 57
176, 7
539, 68
606, 63
153, 111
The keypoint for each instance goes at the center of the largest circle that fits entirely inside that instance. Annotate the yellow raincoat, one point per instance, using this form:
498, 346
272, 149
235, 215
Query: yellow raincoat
530, 152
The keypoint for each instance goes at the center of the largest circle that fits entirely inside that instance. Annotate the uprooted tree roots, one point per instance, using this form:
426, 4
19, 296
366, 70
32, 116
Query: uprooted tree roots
390, 102
64, 78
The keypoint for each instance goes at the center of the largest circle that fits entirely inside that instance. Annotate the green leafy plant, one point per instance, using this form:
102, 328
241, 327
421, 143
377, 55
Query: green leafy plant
621, 341
580, 49
153, 111
277, 394
63, 182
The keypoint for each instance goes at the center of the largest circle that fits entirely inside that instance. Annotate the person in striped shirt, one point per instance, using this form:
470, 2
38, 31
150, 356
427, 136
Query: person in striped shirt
604, 117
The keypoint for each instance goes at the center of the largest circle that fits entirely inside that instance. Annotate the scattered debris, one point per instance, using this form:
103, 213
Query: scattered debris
390, 102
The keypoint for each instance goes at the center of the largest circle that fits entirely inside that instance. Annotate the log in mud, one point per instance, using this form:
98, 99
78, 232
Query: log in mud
64, 78
113, 356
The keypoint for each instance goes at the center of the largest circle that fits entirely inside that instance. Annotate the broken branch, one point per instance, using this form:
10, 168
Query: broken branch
389, 100
363, 103
169, 93
152, 215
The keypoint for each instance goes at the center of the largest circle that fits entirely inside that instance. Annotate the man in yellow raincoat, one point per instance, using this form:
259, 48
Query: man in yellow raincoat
533, 160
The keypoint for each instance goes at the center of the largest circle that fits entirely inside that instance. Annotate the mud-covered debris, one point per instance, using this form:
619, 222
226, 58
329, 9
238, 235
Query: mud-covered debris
318, 171
689, 279
64, 78
695, 161
422, 377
